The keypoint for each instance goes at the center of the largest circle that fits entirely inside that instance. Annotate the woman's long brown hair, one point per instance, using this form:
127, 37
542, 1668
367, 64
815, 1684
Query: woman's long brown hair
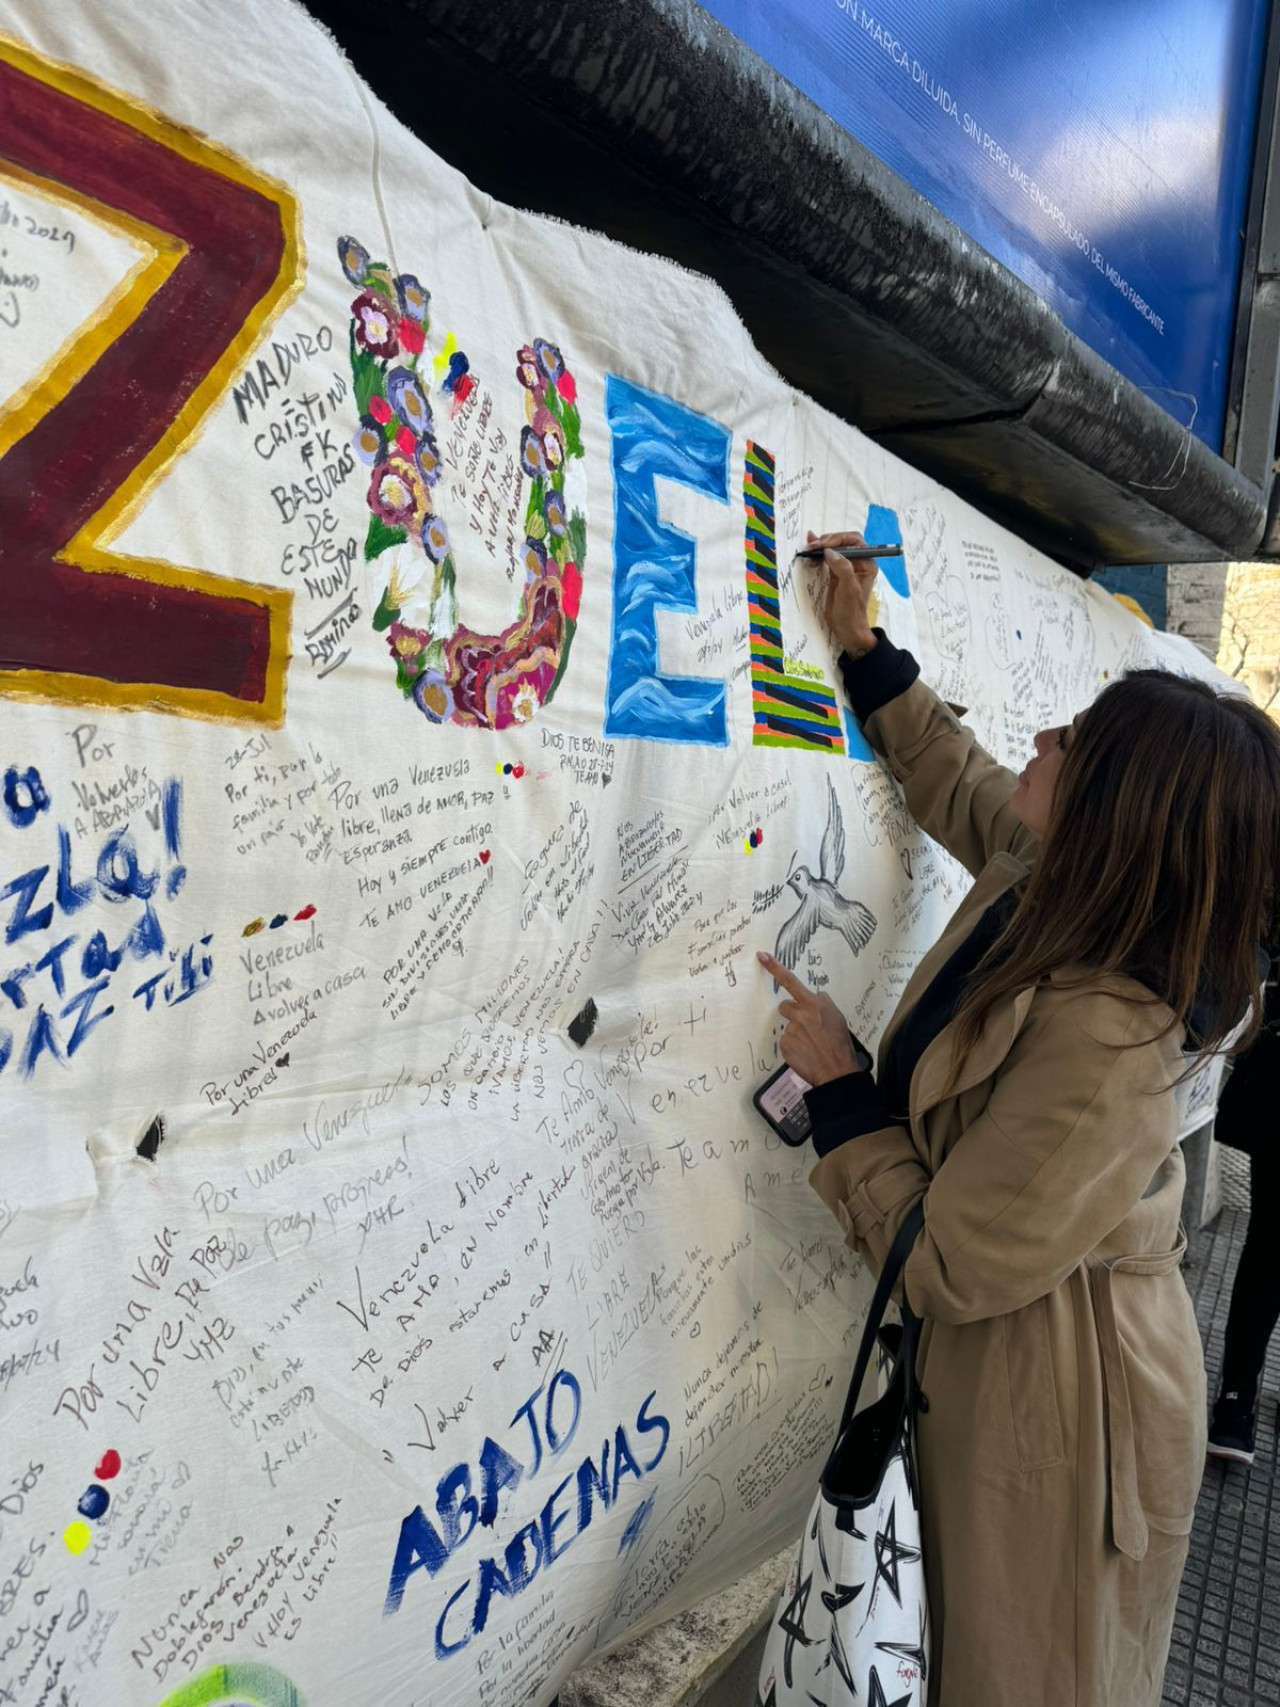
1160, 860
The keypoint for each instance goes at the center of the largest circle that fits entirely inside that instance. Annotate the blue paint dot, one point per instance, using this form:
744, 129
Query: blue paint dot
859, 746
93, 1501
1018, 632
280, 919
506, 770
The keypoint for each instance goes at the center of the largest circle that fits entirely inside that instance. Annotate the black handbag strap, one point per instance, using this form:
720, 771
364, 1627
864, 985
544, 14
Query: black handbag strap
899, 1251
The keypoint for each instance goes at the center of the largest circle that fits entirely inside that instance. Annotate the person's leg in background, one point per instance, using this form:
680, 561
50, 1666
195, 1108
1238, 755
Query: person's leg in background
1247, 1119
1254, 1312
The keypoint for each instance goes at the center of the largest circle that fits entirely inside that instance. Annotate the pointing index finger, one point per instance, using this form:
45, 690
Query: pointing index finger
790, 983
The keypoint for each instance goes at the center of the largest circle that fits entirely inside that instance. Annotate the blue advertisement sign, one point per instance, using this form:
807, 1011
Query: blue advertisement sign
1102, 152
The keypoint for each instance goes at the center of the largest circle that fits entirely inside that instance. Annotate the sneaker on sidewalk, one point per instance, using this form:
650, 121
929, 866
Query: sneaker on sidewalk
1231, 1433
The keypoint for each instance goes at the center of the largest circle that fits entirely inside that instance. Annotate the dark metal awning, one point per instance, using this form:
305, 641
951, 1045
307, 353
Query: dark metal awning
647, 120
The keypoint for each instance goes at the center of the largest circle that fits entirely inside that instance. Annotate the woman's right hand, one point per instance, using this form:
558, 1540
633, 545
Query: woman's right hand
848, 595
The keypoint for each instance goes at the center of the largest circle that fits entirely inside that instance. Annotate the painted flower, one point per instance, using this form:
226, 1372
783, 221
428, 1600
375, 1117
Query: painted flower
379, 408
407, 643
524, 703
535, 559
406, 440
427, 456
433, 696
397, 494
548, 358
409, 591
354, 259
553, 510
435, 538
377, 324
571, 591
529, 373
414, 300
406, 398
412, 337
368, 443
533, 457
567, 386
542, 419
553, 444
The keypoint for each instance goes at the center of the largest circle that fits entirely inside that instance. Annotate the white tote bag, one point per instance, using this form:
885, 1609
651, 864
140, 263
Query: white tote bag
852, 1623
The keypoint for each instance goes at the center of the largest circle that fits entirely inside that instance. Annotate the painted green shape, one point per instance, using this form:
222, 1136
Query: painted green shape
751, 490
242, 1680
385, 614
808, 684
381, 538
760, 739
759, 558
366, 375
819, 719
571, 420
578, 538
570, 629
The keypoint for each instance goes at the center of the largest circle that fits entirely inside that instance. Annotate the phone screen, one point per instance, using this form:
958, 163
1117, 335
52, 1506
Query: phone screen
781, 1101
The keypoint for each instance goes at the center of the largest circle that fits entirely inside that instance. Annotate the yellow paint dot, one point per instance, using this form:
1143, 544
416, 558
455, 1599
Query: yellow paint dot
1134, 606
77, 1536
746, 842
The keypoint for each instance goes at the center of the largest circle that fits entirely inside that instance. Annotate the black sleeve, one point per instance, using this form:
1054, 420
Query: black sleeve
878, 676
845, 1108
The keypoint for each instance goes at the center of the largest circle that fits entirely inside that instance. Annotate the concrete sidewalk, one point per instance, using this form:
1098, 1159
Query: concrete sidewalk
1226, 1638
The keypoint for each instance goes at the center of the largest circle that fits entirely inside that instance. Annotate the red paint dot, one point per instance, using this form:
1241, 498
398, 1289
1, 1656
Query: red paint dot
107, 1466
484, 856
305, 913
517, 770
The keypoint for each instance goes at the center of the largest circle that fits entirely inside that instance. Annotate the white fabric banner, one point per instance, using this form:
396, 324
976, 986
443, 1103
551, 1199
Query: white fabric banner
413, 722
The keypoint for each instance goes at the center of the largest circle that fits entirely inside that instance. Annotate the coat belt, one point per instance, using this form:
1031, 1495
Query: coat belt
1128, 1522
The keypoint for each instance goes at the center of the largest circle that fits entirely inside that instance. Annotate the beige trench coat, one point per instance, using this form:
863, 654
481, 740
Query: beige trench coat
1063, 1446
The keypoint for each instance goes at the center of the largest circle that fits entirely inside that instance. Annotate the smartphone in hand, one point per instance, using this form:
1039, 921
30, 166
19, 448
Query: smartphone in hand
780, 1099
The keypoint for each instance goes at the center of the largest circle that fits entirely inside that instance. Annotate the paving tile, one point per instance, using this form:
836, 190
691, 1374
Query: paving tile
1225, 1649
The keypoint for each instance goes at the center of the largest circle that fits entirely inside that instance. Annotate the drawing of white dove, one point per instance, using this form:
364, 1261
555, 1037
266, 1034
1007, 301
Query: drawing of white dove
821, 903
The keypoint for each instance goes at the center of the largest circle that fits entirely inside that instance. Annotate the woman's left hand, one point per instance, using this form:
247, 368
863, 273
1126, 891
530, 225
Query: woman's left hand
815, 1041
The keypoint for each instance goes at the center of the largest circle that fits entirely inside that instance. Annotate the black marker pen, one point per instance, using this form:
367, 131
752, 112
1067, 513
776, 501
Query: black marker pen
855, 553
